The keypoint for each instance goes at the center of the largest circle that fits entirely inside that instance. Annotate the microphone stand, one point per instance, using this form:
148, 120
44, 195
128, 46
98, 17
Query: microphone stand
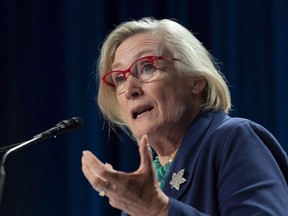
2, 169
60, 128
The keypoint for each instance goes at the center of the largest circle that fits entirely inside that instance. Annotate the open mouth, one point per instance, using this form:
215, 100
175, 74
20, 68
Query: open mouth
141, 111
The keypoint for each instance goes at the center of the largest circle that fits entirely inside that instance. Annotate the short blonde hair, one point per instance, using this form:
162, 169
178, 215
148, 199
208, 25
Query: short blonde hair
196, 62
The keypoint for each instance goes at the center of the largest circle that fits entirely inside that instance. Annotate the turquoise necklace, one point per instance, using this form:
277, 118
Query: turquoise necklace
161, 171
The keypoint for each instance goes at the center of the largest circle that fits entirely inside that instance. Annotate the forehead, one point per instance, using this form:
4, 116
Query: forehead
134, 47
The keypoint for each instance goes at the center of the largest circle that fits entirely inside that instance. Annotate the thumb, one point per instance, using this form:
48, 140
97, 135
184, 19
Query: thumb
146, 158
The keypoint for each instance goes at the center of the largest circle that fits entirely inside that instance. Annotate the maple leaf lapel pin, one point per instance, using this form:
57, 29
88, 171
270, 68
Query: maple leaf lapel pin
177, 179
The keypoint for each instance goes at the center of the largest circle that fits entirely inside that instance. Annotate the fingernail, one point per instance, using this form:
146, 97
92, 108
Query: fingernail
149, 147
108, 165
145, 137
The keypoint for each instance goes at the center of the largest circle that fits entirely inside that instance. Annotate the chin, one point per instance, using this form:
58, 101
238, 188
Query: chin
144, 128
140, 133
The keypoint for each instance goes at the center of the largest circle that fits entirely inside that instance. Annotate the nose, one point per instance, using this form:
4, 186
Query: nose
133, 88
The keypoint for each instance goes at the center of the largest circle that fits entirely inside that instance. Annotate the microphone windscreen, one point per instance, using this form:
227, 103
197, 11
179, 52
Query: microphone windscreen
77, 122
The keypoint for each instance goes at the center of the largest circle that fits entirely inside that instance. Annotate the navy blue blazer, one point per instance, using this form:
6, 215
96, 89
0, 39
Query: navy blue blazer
232, 166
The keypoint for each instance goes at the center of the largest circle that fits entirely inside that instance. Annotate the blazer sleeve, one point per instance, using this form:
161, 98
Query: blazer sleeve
250, 172
182, 209
179, 208
250, 178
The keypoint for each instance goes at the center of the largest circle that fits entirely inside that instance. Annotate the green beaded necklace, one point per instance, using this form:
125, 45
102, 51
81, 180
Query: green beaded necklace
161, 171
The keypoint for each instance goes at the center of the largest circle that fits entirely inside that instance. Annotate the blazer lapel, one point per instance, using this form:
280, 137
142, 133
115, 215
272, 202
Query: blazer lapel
187, 156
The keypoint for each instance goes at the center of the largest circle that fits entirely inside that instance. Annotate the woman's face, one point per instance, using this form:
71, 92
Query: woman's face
164, 106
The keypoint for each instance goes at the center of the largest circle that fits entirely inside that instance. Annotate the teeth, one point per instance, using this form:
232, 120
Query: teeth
141, 112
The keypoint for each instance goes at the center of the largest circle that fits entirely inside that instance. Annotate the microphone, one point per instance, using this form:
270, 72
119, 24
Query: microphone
60, 128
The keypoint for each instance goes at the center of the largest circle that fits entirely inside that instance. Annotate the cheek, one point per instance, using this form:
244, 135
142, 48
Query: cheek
172, 110
122, 106
174, 104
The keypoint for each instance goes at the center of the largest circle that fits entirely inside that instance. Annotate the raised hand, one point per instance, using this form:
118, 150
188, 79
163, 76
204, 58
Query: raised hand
135, 193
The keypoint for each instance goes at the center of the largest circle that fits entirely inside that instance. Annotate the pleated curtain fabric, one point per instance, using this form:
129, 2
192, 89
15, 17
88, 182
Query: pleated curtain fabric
48, 54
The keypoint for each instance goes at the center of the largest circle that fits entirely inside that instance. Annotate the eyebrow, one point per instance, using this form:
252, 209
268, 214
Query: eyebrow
137, 56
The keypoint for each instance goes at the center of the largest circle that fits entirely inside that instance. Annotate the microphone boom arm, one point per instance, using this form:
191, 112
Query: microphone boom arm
60, 128
2, 169
31, 141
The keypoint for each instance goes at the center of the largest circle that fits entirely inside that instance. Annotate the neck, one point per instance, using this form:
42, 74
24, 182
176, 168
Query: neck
166, 160
166, 142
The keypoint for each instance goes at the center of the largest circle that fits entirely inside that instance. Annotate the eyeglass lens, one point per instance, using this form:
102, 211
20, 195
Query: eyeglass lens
141, 70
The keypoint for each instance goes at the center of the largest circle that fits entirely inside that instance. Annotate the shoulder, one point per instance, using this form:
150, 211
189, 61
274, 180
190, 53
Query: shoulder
235, 127
220, 127
242, 135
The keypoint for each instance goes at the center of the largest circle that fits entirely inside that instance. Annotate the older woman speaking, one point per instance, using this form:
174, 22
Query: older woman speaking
160, 84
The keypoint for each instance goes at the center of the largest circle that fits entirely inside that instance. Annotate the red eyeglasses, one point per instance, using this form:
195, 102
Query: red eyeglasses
142, 70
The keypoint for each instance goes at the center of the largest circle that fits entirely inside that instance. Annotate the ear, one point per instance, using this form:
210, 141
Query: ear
198, 86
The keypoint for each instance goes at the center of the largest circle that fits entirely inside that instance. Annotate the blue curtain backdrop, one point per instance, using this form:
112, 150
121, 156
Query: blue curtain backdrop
48, 51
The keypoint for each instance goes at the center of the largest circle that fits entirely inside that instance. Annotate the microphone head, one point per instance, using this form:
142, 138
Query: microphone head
62, 127
78, 122
73, 123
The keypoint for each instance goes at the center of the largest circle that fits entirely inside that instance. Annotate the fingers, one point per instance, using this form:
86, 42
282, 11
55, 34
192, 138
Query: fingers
91, 167
146, 160
129, 192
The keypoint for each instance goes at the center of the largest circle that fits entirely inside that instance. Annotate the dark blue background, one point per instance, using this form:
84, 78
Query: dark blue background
48, 51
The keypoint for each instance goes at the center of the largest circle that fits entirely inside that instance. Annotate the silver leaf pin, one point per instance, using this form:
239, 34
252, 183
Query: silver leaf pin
177, 179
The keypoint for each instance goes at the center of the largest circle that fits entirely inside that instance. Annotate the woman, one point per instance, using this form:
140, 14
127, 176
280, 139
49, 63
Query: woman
161, 84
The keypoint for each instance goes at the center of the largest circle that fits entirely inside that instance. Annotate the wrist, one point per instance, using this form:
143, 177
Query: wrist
160, 205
